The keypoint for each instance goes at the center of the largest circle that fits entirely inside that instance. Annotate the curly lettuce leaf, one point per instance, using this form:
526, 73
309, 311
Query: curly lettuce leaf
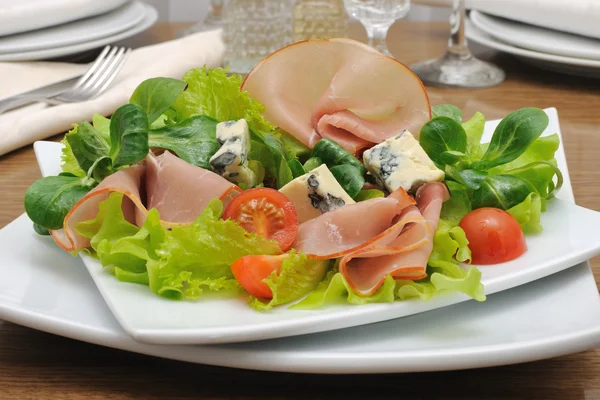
106, 229
297, 277
214, 93
177, 264
448, 276
528, 214
198, 255
68, 161
334, 289
450, 242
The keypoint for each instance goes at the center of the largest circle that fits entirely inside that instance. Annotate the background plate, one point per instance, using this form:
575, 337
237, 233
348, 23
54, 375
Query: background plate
562, 64
150, 17
86, 30
27, 15
568, 238
537, 38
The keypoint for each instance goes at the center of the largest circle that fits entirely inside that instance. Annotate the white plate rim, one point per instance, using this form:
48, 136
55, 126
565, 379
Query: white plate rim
347, 362
531, 40
473, 33
150, 17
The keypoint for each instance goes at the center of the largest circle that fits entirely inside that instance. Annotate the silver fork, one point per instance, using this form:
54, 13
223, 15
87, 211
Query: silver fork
96, 80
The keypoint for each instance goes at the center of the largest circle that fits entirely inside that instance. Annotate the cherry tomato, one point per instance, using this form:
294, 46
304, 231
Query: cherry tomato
251, 271
494, 236
266, 212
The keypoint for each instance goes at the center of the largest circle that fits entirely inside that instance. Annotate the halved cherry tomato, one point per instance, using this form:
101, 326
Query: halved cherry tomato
494, 236
251, 271
266, 212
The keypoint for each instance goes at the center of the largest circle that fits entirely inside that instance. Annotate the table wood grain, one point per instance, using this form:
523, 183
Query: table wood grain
36, 365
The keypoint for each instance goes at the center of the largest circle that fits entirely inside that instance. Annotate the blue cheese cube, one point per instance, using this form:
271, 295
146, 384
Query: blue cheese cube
315, 193
231, 160
401, 162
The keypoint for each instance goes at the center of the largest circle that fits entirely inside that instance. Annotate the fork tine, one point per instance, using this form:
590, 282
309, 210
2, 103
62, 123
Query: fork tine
93, 68
107, 73
114, 73
99, 71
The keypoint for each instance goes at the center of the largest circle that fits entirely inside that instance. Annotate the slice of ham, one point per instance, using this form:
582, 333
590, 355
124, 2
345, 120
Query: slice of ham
338, 89
395, 239
178, 190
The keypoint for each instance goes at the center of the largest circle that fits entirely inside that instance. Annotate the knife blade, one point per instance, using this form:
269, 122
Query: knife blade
50, 90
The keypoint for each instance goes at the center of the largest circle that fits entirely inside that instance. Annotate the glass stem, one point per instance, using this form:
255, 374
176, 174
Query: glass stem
377, 35
457, 44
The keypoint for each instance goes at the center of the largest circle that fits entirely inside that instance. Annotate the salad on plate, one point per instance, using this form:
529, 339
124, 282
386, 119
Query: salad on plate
306, 184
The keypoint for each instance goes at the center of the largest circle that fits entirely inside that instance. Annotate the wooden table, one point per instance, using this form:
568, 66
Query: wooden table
36, 365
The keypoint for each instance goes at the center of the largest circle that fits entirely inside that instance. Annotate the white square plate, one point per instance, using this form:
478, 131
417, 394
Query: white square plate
569, 238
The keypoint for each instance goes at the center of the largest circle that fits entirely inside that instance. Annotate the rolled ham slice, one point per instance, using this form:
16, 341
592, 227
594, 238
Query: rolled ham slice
338, 89
178, 190
394, 237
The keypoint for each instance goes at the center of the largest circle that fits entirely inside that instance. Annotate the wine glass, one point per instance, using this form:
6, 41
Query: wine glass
377, 16
457, 67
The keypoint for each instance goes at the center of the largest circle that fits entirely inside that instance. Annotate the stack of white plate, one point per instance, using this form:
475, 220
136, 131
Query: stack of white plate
546, 48
41, 29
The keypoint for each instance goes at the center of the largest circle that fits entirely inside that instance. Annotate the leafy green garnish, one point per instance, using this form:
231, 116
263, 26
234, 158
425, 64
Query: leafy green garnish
214, 93
293, 147
68, 161
128, 135
504, 173
296, 168
48, 200
367, 194
88, 145
333, 154
156, 95
193, 140
515, 133
297, 277
312, 163
447, 110
441, 135
180, 263
527, 213
349, 178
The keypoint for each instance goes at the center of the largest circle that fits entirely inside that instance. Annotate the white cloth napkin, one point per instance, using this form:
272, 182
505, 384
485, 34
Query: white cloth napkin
580, 17
36, 122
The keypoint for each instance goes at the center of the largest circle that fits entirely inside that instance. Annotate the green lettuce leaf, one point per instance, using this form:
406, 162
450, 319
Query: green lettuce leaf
214, 93
474, 128
198, 255
541, 149
450, 277
102, 125
177, 264
450, 242
334, 289
106, 229
68, 161
297, 277
528, 213
459, 203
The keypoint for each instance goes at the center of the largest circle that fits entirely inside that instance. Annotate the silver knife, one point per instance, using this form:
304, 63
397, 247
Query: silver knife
50, 90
